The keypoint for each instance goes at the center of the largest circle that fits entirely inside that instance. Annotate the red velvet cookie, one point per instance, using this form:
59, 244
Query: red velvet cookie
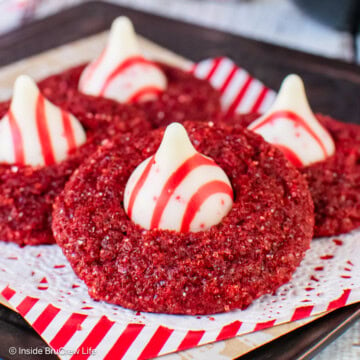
334, 182
28, 192
255, 249
185, 98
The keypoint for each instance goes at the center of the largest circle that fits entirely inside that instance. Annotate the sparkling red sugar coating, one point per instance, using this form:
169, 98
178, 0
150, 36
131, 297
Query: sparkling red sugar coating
252, 252
334, 183
186, 97
27, 193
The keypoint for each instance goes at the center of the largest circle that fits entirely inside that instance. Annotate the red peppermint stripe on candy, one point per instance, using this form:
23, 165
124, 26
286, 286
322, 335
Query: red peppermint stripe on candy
144, 93
199, 198
43, 132
68, 130
297, 120
290, 155
172, 184
127, 65
139, 185
88, 73
17, 140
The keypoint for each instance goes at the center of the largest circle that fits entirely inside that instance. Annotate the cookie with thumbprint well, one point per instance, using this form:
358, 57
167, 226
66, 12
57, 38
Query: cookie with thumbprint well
165, 93
326, 152
41, 145
197, 219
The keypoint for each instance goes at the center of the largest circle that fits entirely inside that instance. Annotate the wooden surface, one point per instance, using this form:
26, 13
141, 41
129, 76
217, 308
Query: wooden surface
265, 61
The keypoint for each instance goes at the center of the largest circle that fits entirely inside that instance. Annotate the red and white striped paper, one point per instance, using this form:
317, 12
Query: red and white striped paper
42, 287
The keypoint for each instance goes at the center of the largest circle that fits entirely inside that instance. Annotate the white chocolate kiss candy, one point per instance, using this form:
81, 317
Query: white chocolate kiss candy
292, 127
178, 188
34, 131
121, 73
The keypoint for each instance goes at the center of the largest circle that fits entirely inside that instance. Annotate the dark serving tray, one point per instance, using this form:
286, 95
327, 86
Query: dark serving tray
333, 88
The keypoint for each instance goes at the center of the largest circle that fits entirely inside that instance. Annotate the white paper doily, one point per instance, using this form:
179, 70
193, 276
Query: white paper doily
331, 266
